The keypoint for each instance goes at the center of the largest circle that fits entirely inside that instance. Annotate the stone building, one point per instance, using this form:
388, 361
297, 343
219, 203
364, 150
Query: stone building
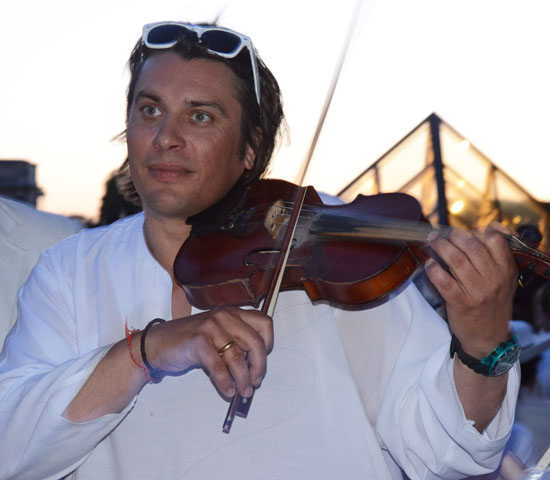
17, 181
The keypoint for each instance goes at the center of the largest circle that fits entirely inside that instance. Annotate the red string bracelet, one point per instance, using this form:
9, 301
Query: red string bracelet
129, 334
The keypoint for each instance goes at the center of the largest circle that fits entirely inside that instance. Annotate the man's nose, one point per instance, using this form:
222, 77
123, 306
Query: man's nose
170, 134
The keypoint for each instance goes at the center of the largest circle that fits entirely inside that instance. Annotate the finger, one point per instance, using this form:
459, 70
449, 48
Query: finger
235, 361
224, 357
256, 360
498, 249
499, 227
262, 324
227, 364
247, 328
475, 250
443, 281
253, 332
464, 256
229, 371
255, 336
217, 369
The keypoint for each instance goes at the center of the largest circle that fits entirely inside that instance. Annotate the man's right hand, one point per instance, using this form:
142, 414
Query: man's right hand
195, 341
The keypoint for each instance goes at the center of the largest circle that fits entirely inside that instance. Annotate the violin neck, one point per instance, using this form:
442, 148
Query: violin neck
411, 232
379, 228
528, 257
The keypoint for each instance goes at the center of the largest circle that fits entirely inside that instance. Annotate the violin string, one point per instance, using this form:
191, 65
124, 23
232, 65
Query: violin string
346, 223
342, 217
330, 220
283, 216
324, 220
375, 227
310, 211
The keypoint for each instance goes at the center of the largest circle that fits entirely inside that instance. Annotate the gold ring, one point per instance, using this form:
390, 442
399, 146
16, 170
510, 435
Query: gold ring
226, 347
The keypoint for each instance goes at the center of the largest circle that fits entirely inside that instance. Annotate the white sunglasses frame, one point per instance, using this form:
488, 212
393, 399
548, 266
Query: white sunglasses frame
199, 30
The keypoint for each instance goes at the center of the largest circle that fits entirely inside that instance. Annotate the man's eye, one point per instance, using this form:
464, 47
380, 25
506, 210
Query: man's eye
151, 111
201, 117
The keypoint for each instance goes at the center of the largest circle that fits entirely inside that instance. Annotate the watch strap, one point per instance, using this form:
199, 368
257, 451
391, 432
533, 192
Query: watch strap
471, 362
485, 366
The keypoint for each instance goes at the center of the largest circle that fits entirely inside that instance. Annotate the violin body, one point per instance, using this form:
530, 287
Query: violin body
232, 259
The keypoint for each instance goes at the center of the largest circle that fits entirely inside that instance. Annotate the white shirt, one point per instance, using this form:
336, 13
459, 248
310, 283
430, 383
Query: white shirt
347, 394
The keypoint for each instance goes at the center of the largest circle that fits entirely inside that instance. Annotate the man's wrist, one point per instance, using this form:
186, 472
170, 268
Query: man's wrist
155, 374
497, 362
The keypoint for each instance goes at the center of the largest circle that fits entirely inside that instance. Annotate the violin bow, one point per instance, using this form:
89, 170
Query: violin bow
239, 405
330, 94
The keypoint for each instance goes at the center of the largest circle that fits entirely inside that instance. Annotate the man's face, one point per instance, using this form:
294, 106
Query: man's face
184, 136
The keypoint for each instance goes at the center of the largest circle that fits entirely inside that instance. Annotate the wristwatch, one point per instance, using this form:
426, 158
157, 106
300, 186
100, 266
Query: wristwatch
498, 362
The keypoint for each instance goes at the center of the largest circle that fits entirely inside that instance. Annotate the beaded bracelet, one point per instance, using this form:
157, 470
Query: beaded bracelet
156, 374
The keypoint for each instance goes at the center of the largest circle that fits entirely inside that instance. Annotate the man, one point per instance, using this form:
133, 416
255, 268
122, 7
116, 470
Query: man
347, 394
24, 233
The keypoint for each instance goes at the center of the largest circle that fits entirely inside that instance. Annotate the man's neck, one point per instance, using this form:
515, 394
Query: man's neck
164, 237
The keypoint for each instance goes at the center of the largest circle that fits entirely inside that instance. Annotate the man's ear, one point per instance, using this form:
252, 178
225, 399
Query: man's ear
249, 158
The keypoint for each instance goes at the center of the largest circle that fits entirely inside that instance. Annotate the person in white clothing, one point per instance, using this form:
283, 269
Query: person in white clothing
344, 394
24, 233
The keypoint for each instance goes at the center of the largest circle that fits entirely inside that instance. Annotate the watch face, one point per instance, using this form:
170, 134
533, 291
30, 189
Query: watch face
505, 360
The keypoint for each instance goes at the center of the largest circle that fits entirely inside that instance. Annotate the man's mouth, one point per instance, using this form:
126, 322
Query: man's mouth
168, 172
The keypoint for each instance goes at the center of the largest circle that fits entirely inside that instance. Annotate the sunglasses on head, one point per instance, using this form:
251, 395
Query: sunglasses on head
217, 40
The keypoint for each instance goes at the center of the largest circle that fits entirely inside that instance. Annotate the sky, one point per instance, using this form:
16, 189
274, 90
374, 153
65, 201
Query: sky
481, 65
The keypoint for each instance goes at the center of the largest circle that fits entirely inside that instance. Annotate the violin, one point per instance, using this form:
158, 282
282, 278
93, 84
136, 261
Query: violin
274, 235
352, 255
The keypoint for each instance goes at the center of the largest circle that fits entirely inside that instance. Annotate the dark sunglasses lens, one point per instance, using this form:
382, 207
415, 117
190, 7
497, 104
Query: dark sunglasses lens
167, 33
220, 41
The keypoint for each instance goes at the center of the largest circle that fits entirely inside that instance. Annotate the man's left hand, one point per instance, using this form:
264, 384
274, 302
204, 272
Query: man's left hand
479, 290
479, 287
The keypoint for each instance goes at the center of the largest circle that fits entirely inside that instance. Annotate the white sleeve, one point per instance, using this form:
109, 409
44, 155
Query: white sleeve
41, 371
421, 421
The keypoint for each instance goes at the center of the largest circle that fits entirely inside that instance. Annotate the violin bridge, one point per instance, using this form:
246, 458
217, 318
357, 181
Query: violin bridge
276, 217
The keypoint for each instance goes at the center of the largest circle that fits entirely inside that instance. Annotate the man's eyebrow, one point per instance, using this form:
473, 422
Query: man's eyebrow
149, 95
204, 103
